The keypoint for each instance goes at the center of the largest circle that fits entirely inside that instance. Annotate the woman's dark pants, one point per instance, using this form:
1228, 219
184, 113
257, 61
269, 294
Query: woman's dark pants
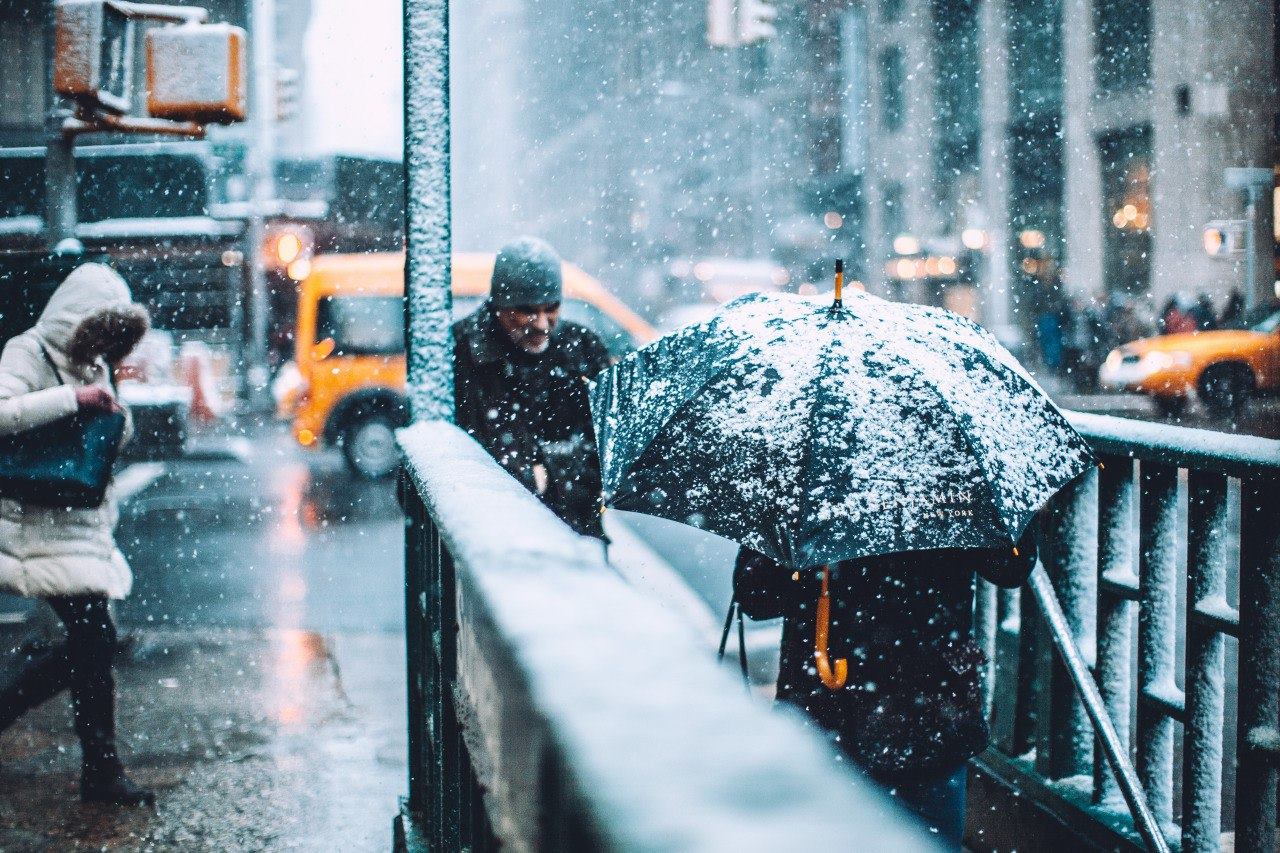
81, 663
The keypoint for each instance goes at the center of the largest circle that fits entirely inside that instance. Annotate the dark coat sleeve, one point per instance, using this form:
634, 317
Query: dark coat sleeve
760, 585
1008, 570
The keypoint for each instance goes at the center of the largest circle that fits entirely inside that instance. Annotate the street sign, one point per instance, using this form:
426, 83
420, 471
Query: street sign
1225, 238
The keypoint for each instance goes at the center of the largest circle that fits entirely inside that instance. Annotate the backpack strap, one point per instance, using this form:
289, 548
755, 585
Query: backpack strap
49, 360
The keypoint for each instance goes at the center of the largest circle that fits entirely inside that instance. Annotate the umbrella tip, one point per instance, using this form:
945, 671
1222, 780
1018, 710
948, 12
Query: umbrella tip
839, 303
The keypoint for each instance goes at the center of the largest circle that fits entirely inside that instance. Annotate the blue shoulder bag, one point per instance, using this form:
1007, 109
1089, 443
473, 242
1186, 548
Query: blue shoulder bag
66, 463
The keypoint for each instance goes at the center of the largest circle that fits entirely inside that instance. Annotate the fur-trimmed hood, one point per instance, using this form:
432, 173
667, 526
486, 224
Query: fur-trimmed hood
89, 289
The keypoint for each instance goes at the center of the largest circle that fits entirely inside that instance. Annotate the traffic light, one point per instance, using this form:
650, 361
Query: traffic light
1224, 238
93, 48
755, 21
197, 72
288, 93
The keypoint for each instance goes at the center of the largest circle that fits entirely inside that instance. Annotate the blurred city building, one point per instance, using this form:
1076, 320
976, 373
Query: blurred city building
1059, 148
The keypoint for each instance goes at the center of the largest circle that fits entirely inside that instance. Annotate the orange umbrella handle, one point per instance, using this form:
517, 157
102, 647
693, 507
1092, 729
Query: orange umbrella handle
832, 680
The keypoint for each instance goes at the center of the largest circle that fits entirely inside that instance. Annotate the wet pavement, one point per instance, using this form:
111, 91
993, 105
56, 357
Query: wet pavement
262, 694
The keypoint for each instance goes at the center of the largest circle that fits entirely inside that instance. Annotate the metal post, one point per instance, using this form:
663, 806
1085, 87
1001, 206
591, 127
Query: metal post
427, 219
59, 161
1251, 249
984, 629
1157, 623
1206, 593
1071, 534
260, 167
1117, 582
436, 765
1259, 693
1254, 182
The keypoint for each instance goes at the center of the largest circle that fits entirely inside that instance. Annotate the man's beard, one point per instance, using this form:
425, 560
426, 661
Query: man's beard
538, 349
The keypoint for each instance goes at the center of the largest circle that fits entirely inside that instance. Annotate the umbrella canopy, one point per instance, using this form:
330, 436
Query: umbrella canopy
814, 433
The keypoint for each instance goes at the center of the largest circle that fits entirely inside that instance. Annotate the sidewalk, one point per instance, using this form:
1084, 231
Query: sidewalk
252, 740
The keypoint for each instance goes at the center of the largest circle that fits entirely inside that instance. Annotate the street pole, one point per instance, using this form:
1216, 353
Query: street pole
59, 164
260, 164
1258, 277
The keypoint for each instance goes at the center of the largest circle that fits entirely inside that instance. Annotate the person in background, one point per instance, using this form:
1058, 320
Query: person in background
520, 376
909, 713
1202, 312
1232, 316
1049, 336
1174, 320
68, 556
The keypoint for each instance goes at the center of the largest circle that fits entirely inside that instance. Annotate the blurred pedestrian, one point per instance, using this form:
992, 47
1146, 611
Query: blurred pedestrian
1049, 336
909, 713
68, 556
1232, 316
1081, 335
520, 377
1174, 319
1203, 313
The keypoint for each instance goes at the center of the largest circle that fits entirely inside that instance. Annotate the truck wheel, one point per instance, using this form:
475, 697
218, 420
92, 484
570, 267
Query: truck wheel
369, 445
1224, 388
1170, 407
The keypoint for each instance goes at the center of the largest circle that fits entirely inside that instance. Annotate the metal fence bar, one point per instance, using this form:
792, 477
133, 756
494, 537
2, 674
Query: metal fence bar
1259, 693
985, 618
1157, 622
1069, 536
1116, 552
1060, 631
1202, 736
417, 573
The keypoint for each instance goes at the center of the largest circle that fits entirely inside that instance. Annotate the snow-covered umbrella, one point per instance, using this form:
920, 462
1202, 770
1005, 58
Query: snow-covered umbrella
816, 432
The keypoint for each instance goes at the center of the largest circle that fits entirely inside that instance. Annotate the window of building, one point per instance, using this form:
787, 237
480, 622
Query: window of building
1126, 206
893, 210
893, 102
1122, 58
22, 107
957, 105
1035, 59
854, 94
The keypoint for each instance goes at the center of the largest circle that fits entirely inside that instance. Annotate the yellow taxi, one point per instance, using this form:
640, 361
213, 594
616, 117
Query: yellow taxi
346, 387
1224, 367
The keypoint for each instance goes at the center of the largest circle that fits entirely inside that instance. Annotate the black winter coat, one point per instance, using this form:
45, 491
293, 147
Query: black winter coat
527, 409
911, 705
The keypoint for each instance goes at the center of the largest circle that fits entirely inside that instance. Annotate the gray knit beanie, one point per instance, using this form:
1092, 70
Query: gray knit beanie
527, 272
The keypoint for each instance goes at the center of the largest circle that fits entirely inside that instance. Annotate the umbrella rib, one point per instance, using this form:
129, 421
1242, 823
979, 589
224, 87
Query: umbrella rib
964, 433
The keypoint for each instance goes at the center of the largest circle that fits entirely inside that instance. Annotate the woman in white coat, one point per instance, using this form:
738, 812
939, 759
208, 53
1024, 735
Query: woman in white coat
69, 556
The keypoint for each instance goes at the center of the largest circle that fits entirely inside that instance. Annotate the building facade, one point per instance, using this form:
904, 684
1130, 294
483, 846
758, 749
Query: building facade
1059, 149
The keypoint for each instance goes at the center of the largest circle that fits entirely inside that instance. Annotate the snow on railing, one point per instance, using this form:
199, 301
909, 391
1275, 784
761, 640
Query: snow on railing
1168, 502
554, 707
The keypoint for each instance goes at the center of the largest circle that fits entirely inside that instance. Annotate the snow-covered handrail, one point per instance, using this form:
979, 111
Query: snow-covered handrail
1186, 447
588, 716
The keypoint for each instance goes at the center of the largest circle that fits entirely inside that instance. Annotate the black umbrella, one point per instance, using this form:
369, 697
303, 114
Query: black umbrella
815, 433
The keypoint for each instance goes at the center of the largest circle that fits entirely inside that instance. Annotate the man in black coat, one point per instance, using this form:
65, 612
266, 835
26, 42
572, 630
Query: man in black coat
909, 713
520, 377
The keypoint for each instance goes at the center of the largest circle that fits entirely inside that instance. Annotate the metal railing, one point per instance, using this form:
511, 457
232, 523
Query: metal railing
1175, 526
554, 708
